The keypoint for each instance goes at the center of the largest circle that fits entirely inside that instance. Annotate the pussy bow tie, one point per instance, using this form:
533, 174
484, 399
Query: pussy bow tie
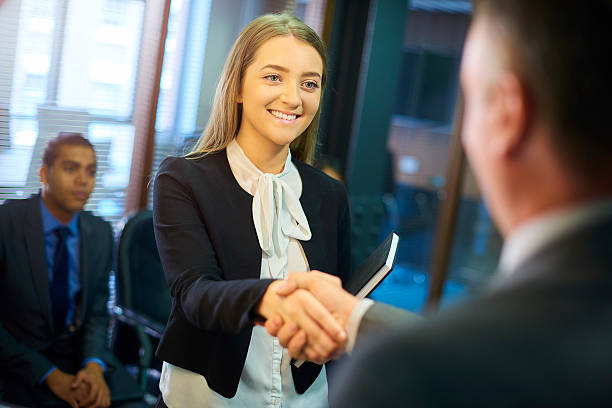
278, 216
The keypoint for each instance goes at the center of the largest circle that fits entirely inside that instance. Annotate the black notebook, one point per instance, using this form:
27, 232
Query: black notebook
374, 269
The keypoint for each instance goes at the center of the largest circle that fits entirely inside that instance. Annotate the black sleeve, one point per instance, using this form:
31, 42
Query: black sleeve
196, 281
16, 359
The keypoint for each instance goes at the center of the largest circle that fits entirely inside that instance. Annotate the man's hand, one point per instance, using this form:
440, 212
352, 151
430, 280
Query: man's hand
327, 289
299, 310
92, 375
60, 383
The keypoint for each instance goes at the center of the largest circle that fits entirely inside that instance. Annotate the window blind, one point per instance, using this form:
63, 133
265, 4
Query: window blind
68, 65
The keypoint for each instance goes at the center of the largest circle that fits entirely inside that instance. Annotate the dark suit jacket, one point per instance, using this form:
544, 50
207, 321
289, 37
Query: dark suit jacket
26, 326
382, 318
542, 338
211, 256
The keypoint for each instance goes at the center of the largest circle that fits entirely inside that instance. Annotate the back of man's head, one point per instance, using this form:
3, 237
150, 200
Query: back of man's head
63, 138
561, 50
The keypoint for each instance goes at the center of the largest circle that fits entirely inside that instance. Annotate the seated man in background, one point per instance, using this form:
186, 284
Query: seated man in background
536, 81
54, 266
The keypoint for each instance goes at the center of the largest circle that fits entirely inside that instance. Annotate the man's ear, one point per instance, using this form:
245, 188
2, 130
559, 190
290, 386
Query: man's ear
512, 114
42, 173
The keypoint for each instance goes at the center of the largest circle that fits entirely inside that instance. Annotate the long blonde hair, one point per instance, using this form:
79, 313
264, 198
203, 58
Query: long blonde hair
226, 113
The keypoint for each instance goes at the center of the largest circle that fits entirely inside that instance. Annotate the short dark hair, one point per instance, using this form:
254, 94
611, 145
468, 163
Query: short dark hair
562, 52
63, 138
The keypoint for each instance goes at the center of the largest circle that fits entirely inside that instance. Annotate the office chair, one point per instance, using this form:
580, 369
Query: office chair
143, 299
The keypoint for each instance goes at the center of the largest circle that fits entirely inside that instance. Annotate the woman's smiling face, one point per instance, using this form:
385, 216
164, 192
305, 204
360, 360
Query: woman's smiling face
281, 92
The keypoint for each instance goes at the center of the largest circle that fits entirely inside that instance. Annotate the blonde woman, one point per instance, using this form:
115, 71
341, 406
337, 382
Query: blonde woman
239, 212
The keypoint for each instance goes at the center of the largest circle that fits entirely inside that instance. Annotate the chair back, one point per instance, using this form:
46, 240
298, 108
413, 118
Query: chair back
141, 283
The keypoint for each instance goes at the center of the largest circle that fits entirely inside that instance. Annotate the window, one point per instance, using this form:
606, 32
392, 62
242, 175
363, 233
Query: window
69, 65
418, 143
476, 245
104, 97
113, 12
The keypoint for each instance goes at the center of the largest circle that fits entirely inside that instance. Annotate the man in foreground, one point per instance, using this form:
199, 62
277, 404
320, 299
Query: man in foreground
536, 82
54, 265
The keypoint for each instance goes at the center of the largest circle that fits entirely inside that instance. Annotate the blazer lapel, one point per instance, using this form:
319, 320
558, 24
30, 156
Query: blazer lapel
35, 243
313, 248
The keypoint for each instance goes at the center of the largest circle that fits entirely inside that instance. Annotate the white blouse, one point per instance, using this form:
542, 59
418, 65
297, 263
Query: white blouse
266, 379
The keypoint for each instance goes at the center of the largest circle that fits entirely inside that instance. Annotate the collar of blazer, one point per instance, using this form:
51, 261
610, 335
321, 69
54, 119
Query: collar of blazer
311, 201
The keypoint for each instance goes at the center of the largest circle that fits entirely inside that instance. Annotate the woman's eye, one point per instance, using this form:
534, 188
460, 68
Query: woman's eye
273, 77
310, 85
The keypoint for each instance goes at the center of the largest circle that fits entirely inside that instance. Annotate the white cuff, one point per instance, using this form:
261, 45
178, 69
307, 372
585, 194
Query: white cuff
354, 321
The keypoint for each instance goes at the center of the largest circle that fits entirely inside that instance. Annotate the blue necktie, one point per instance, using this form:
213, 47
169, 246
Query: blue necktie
60, 297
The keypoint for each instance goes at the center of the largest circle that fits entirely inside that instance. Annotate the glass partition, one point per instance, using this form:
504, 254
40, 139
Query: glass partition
418, 145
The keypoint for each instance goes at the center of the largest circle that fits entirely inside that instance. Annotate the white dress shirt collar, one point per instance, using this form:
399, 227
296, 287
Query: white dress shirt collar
545, 229
277, 213
247, 174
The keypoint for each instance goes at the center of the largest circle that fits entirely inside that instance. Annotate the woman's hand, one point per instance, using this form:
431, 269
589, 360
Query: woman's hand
327, 289
305, 317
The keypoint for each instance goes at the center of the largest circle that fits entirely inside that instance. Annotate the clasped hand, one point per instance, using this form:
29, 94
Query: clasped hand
85, 389
308, 313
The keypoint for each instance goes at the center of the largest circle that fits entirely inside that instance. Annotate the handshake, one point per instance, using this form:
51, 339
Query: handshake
308, 313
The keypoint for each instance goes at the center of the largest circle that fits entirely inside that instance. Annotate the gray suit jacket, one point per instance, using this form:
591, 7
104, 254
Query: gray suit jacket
382, 318
541, 339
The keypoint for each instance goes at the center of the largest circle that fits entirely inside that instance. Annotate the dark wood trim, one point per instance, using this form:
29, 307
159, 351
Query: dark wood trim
330, 7
447, 219
150, 63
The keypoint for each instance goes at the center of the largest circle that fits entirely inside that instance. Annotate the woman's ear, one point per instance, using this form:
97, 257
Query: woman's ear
239, 94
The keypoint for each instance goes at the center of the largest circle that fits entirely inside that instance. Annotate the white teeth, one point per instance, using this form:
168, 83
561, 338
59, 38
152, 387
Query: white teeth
281, 115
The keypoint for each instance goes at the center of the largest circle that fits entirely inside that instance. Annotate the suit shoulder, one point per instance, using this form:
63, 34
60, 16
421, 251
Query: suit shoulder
187, 163
10, 205
460, 326
16, 202
182, 168
95, 221
14, 207
448, 336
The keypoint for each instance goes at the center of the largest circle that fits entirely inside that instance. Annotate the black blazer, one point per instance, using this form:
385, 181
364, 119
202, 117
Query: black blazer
26, 323
542, 339
211, 256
